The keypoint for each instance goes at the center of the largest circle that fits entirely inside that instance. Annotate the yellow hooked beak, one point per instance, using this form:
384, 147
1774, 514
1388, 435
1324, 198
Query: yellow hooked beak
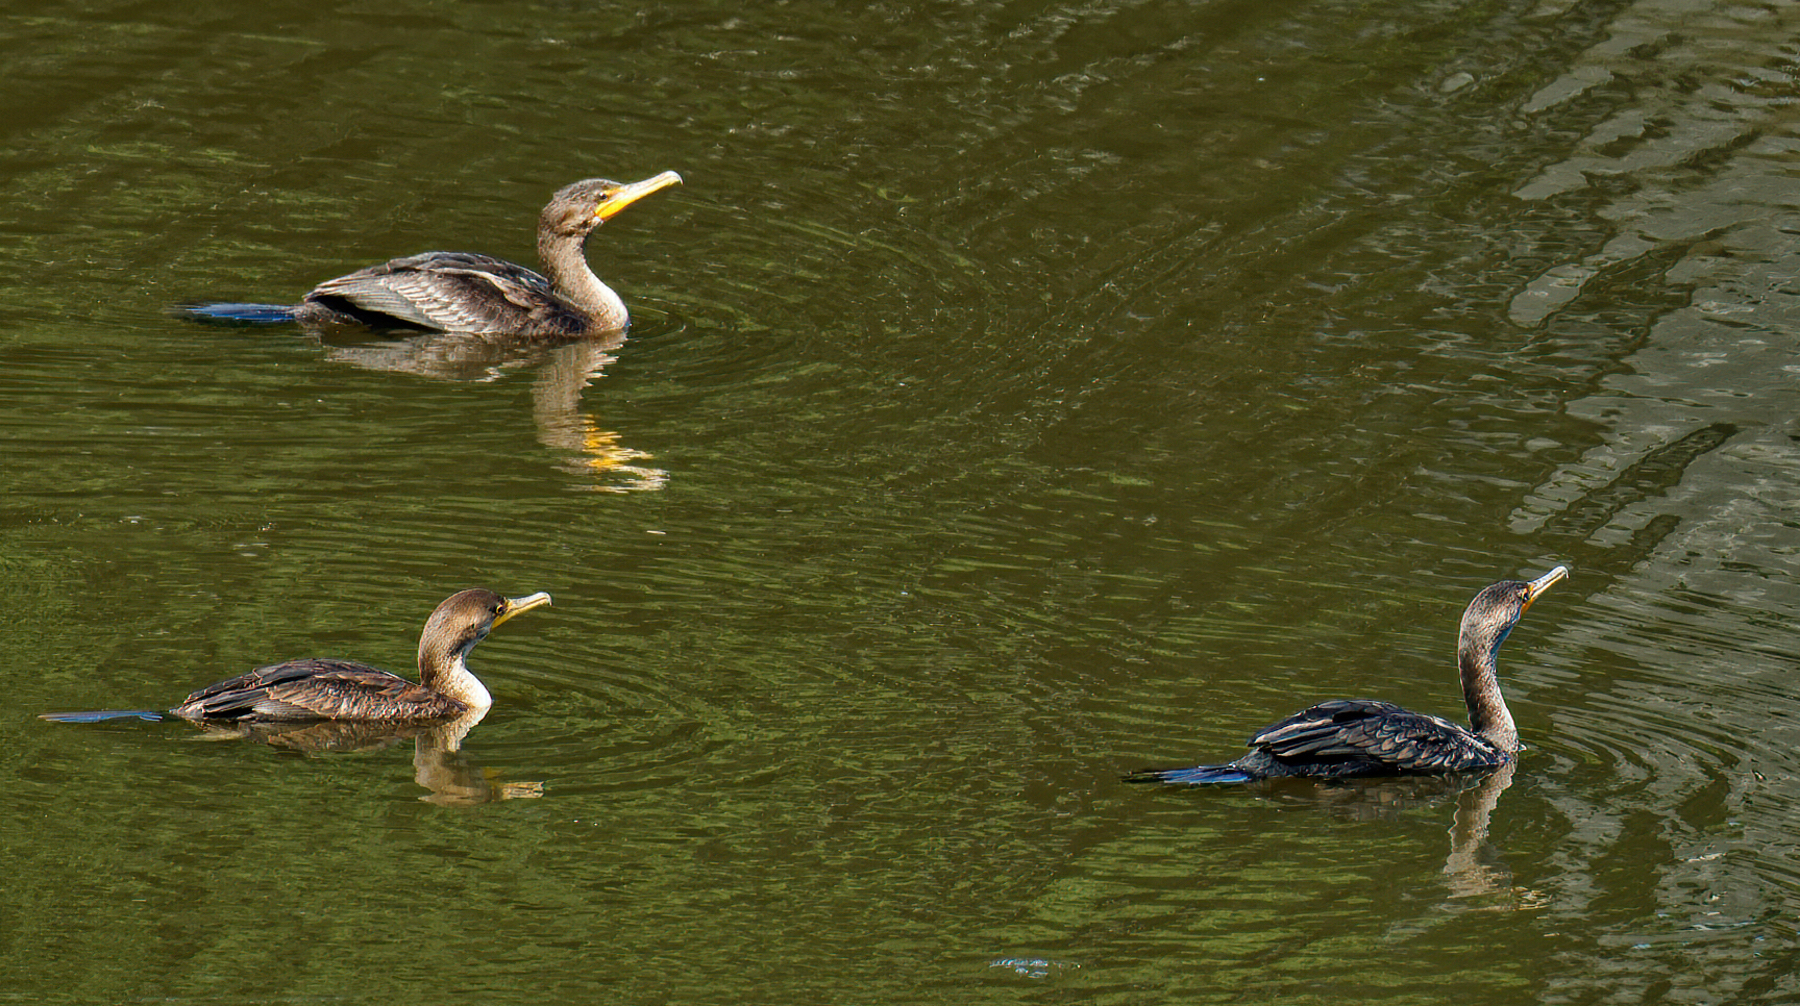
520, 605
625, 195
1542, 583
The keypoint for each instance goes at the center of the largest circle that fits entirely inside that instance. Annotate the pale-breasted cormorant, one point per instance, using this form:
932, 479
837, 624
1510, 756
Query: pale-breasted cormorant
465, 292
327, 689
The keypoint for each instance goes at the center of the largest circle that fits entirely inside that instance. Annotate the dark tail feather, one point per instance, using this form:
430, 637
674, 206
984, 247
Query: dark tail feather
102, 715
238, 314
1199, 775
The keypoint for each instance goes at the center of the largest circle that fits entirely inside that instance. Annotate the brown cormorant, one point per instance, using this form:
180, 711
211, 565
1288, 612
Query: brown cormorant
327, 689
465, 292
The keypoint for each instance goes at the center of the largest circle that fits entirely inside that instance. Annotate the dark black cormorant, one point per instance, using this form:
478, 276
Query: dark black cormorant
464, 292
1362, 737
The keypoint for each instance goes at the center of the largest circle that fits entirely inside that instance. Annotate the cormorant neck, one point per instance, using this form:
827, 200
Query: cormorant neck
565, 261
1488, 715
446, 674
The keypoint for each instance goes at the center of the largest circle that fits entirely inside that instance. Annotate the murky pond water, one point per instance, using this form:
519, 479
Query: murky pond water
1018, 394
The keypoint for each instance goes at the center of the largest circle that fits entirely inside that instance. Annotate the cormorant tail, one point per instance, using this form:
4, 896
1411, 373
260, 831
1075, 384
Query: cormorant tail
102, 715
1199, 775
239, 314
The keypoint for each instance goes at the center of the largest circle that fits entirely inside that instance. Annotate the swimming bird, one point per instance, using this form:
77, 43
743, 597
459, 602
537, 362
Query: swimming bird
327, 689
1363, 737
465, 292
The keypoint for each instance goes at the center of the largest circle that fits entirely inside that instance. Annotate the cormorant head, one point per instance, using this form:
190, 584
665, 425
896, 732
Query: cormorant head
577, 209
465, 619
1494, 611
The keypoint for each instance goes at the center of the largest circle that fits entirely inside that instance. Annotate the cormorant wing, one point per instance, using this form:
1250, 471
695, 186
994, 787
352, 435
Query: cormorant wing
312, 689
1378, 732
451, 291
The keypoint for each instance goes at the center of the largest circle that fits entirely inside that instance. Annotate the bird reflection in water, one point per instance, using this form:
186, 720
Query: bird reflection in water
1472, 868
563, 373
439, 763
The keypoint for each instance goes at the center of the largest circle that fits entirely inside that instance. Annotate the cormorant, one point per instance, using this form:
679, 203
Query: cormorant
465, 292
1363, 737
327, 689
